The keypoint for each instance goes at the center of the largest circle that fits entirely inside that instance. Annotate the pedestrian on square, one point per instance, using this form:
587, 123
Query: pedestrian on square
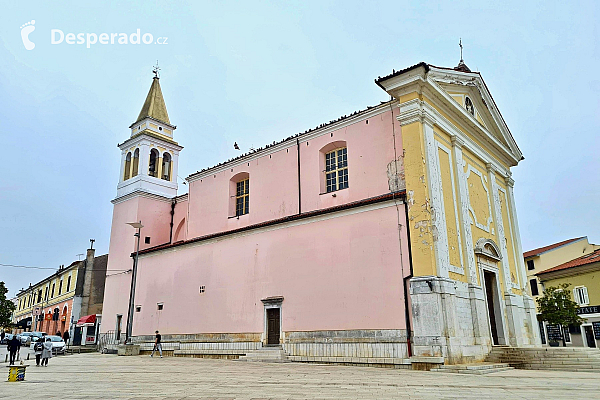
38, 348
46, 352
14, 345
2, 336
66, 337
157, 345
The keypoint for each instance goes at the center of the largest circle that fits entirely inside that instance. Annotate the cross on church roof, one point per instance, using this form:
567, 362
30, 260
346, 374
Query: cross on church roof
459, 44
155, 70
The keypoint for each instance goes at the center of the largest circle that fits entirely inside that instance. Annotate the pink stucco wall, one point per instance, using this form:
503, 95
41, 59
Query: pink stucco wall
274, 178
338, 271
155, 216
334, 273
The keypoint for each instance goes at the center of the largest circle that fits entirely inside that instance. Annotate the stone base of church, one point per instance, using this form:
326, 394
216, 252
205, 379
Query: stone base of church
381, 347
450, 320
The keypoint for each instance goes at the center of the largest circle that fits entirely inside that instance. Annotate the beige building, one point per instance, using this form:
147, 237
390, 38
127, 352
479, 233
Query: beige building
576, 262
550, 256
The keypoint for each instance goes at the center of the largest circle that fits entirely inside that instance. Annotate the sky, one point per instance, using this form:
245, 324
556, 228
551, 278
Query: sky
255, 72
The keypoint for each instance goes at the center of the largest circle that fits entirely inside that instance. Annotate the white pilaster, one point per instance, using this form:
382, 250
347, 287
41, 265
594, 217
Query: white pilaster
438, 218
517, 234
463, 199
500, 234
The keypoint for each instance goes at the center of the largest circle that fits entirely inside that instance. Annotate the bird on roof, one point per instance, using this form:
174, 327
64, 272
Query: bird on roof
235, 146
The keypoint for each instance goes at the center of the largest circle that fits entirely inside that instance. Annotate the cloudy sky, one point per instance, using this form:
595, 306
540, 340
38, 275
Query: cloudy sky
261, 71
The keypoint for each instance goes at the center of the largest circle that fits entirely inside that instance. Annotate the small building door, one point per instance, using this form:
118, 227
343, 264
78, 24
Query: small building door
273, 326
589, 336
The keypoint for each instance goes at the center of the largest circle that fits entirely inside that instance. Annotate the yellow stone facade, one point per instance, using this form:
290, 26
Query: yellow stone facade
463, 227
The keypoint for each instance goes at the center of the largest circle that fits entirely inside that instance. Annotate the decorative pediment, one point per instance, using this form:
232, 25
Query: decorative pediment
462, 98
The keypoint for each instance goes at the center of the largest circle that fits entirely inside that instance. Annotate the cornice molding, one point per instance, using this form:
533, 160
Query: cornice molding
141, 193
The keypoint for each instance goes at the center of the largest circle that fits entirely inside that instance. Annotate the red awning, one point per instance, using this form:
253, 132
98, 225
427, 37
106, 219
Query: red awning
87, 320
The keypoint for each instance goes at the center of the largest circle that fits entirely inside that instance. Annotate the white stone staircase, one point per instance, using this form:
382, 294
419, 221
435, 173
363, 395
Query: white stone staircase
475, 369
272, 354
548, 358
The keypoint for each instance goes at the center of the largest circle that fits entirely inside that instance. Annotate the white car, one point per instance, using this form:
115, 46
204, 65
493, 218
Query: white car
58, 344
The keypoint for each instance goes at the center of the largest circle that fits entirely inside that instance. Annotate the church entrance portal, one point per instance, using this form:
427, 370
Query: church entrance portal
490, 294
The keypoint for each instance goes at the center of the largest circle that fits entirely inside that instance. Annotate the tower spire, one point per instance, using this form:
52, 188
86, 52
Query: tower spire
154, 106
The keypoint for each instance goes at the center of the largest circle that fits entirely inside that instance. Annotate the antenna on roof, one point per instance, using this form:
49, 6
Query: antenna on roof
155, 70
79, 256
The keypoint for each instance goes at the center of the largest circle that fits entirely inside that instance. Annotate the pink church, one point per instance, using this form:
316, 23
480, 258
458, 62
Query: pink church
316, 245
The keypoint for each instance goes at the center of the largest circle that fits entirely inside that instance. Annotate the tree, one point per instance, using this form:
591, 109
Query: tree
557, 308
6, 306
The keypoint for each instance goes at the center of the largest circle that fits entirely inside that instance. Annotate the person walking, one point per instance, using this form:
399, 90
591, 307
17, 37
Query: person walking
157, 345
2, 336
46, 351
14, 345
38, 348
66, 337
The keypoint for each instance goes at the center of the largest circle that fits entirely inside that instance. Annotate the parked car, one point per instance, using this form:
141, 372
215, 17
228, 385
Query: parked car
24, 337
58, 344
7, 337
28, 337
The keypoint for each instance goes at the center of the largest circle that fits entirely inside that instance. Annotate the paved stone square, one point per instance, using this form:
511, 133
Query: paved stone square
93, 376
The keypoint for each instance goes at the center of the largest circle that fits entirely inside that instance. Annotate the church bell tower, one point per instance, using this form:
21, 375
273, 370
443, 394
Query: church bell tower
149, 157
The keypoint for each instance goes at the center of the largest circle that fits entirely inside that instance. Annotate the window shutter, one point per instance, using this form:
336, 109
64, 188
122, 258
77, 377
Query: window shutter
584, 292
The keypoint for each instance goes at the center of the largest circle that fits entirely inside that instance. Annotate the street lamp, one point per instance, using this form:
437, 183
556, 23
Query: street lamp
138, 226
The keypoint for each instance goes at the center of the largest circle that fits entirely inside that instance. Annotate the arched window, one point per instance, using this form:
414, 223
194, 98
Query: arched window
334, 164
136, 162
127, 166
166, 167
239, 194
153, 165
469, 106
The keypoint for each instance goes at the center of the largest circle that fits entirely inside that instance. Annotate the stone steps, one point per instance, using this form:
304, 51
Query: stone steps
558, 359
474, 369
266, 354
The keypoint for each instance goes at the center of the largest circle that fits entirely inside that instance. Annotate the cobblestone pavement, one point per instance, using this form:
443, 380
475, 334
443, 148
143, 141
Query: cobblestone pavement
94, 376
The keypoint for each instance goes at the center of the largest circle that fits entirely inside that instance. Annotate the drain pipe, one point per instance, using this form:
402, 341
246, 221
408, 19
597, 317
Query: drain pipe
406, 283
299, 187
173, 202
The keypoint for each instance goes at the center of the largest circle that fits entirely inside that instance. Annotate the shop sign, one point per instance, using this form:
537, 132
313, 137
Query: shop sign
596, 327
588, 310
48, 317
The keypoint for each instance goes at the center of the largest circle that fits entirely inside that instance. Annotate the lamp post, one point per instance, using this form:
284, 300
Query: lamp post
138, 226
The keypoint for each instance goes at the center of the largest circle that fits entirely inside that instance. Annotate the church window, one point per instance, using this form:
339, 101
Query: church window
127, 167
202, 289
138, 308
147, 240
166, 167
336, 169
153, 165
136, 162
242, 197
469, 106
159, 306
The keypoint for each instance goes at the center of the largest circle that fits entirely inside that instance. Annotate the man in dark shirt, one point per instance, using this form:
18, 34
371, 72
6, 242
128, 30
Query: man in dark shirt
14, 345
157, 345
